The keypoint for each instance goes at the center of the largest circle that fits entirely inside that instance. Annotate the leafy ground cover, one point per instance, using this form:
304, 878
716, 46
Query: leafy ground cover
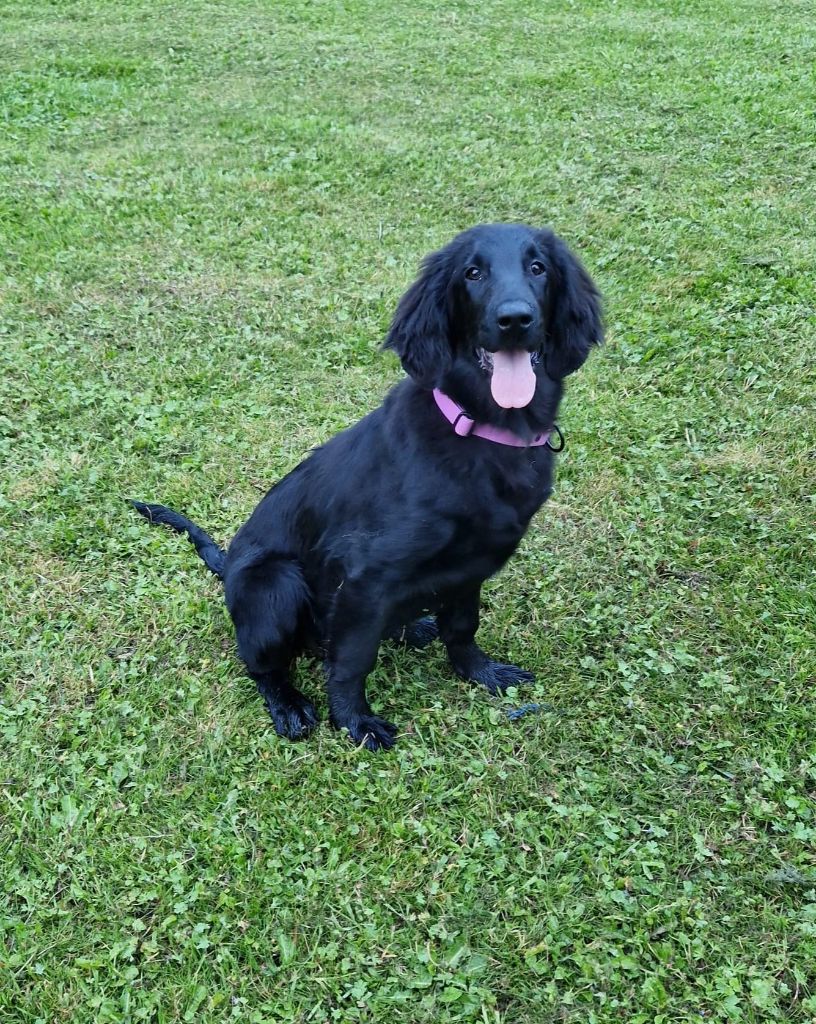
207, 213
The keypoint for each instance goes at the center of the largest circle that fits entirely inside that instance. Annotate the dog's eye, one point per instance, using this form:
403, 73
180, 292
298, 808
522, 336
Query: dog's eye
473, 274
537, 268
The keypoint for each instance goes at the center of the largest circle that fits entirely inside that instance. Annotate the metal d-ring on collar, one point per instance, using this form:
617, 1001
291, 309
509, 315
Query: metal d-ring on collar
555, 429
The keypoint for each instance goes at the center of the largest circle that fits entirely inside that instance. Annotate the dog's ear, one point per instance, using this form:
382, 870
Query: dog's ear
575, 323
420, 330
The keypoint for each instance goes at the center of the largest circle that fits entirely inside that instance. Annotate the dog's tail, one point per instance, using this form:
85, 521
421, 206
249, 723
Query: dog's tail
212, 556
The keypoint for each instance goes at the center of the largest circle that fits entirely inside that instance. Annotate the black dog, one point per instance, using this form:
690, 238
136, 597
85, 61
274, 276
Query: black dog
411, 509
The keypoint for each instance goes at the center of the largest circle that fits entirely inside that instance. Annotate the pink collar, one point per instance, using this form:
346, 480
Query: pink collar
464, 426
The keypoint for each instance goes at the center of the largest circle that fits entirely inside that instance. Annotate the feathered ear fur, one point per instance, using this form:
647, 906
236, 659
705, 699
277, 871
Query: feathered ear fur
575, 319
420, 330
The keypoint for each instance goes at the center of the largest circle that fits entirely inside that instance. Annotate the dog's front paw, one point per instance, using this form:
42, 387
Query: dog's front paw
293, 719
497, 677
475, 666
370, 731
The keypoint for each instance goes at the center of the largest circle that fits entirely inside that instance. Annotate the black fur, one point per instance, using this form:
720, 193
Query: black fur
398, 515
211, 555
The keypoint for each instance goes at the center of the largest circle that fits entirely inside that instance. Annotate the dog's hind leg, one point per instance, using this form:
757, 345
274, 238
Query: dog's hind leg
268, 601
293, 715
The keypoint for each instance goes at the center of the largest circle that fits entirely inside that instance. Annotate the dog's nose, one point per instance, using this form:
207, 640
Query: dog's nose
514, 315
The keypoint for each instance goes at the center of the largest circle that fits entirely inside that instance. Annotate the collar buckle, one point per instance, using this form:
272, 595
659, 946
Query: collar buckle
463, 424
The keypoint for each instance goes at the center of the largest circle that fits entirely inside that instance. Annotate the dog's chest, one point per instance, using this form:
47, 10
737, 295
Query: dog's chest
498, 500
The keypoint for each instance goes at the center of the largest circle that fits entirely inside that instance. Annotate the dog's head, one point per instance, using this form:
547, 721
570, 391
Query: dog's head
503, 306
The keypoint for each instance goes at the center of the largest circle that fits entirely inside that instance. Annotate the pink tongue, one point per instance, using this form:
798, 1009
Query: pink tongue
513, 382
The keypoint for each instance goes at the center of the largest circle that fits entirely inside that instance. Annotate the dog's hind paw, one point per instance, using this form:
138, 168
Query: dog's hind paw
417, 634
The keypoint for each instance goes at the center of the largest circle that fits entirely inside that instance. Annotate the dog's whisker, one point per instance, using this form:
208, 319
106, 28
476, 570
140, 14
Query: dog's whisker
485, 360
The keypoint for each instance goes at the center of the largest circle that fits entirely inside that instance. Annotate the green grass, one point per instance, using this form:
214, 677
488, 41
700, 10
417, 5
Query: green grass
208, 212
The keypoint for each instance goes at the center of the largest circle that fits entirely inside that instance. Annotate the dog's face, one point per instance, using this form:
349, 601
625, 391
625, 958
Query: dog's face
503, 307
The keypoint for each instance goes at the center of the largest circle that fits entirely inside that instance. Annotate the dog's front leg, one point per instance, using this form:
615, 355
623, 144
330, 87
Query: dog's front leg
353, 643
458, 620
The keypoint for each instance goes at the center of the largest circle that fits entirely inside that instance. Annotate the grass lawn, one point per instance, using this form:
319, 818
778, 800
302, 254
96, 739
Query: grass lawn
207, 214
